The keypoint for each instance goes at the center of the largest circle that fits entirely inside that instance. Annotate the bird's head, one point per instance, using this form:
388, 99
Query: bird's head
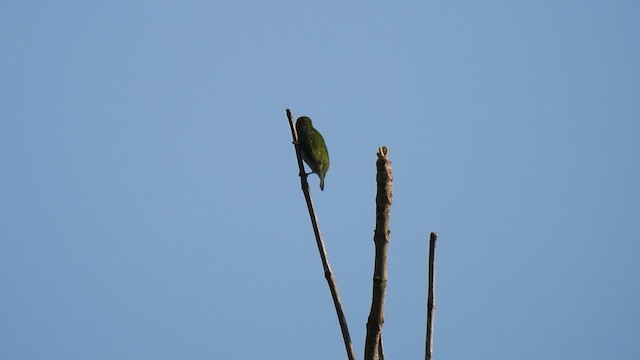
304, 121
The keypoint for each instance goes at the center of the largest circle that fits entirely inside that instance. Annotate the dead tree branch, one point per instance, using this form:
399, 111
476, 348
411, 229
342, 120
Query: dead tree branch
328, 274
384, 198
431, 303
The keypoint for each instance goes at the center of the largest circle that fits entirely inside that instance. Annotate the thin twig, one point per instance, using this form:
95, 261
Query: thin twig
431, 306
381, 236
328, 274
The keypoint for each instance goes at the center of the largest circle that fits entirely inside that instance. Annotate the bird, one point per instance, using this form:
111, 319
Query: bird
312, 148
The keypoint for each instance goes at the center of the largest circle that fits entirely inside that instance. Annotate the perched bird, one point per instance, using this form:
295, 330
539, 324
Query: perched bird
312, 148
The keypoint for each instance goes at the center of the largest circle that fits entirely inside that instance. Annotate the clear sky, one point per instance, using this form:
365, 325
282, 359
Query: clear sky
150, 206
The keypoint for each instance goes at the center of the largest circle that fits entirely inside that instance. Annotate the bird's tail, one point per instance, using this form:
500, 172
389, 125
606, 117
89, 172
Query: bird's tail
322, 183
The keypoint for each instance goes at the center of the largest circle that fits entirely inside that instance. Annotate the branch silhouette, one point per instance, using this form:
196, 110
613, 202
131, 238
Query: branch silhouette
431, 302
328, 273
384, 198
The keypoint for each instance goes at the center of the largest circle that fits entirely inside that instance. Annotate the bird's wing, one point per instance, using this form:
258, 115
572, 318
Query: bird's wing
319, 151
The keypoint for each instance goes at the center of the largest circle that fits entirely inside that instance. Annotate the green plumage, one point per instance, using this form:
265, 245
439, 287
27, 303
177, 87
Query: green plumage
312, 148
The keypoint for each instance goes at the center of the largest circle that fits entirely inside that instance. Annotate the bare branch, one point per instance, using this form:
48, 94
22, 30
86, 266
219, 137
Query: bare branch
431, 307
384, 198
328, 274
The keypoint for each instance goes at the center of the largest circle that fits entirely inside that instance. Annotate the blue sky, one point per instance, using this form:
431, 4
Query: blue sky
150, 205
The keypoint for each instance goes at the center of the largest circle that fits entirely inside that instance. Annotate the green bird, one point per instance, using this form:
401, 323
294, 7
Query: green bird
312, 148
